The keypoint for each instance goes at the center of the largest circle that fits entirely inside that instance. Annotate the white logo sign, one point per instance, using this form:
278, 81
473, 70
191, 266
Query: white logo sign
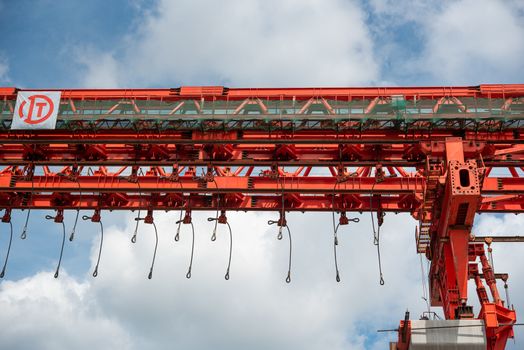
36, 110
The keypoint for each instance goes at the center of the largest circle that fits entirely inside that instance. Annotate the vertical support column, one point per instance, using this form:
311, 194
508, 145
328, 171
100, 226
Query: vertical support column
451, 232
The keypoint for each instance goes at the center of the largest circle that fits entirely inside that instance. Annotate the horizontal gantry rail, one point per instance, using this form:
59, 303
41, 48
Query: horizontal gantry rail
364, 189
485, 107
504, 149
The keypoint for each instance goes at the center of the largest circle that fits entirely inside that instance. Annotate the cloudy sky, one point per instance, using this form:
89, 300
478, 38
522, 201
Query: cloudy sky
161, 43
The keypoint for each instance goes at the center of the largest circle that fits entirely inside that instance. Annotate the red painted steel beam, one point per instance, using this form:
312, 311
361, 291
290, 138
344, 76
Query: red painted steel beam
230, 201
495, 187
424, 139
453, 220
236, 154
221, 184
222, 93
160, 201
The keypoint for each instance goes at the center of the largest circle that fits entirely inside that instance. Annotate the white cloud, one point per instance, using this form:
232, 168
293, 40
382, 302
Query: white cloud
459, 42
252, 43
256, 309
42, 313
476, 43
100, 68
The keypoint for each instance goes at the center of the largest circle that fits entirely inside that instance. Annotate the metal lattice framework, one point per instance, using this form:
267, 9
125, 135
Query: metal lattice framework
440, 153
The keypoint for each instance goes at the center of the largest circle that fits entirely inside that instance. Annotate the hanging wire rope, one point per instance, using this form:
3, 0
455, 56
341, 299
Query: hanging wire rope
379, 261
133, 238
2, 273
288, 278
95, 271
150, 275
272, 222
188, 221
177, 238
336, 226
179, 222
188, 274
23, 235
72, 236
226, 276
154, 253
177, 235
282, 223
230, 245
335, 229
216, 219
335, 232
49, 217
335, 244
283, 212
376, 234
214, 235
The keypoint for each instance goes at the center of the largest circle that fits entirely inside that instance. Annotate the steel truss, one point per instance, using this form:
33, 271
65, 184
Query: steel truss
441, 154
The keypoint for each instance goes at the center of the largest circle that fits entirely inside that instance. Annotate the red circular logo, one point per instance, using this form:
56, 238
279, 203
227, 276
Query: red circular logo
38, 110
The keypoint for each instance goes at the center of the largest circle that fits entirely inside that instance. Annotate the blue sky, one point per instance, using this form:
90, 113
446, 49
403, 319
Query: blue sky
161, 43
41, 34
46, 43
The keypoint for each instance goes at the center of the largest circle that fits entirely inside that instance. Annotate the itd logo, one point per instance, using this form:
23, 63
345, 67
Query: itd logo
36, 110
39, 108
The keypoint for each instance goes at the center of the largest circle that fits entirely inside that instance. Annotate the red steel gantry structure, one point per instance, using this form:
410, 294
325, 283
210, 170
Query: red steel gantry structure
434, 152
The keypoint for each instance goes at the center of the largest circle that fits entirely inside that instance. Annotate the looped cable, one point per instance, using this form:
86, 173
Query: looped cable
380, 268
95, 271
2, 274
179, 222
376, 234
288, 278
23, 235
137, 219
154, 253
335, 244
379, 259
272, 222
226, 276
214, 235
177, 238
72, 235
335, 230
188, 274
49, 217
335, 236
